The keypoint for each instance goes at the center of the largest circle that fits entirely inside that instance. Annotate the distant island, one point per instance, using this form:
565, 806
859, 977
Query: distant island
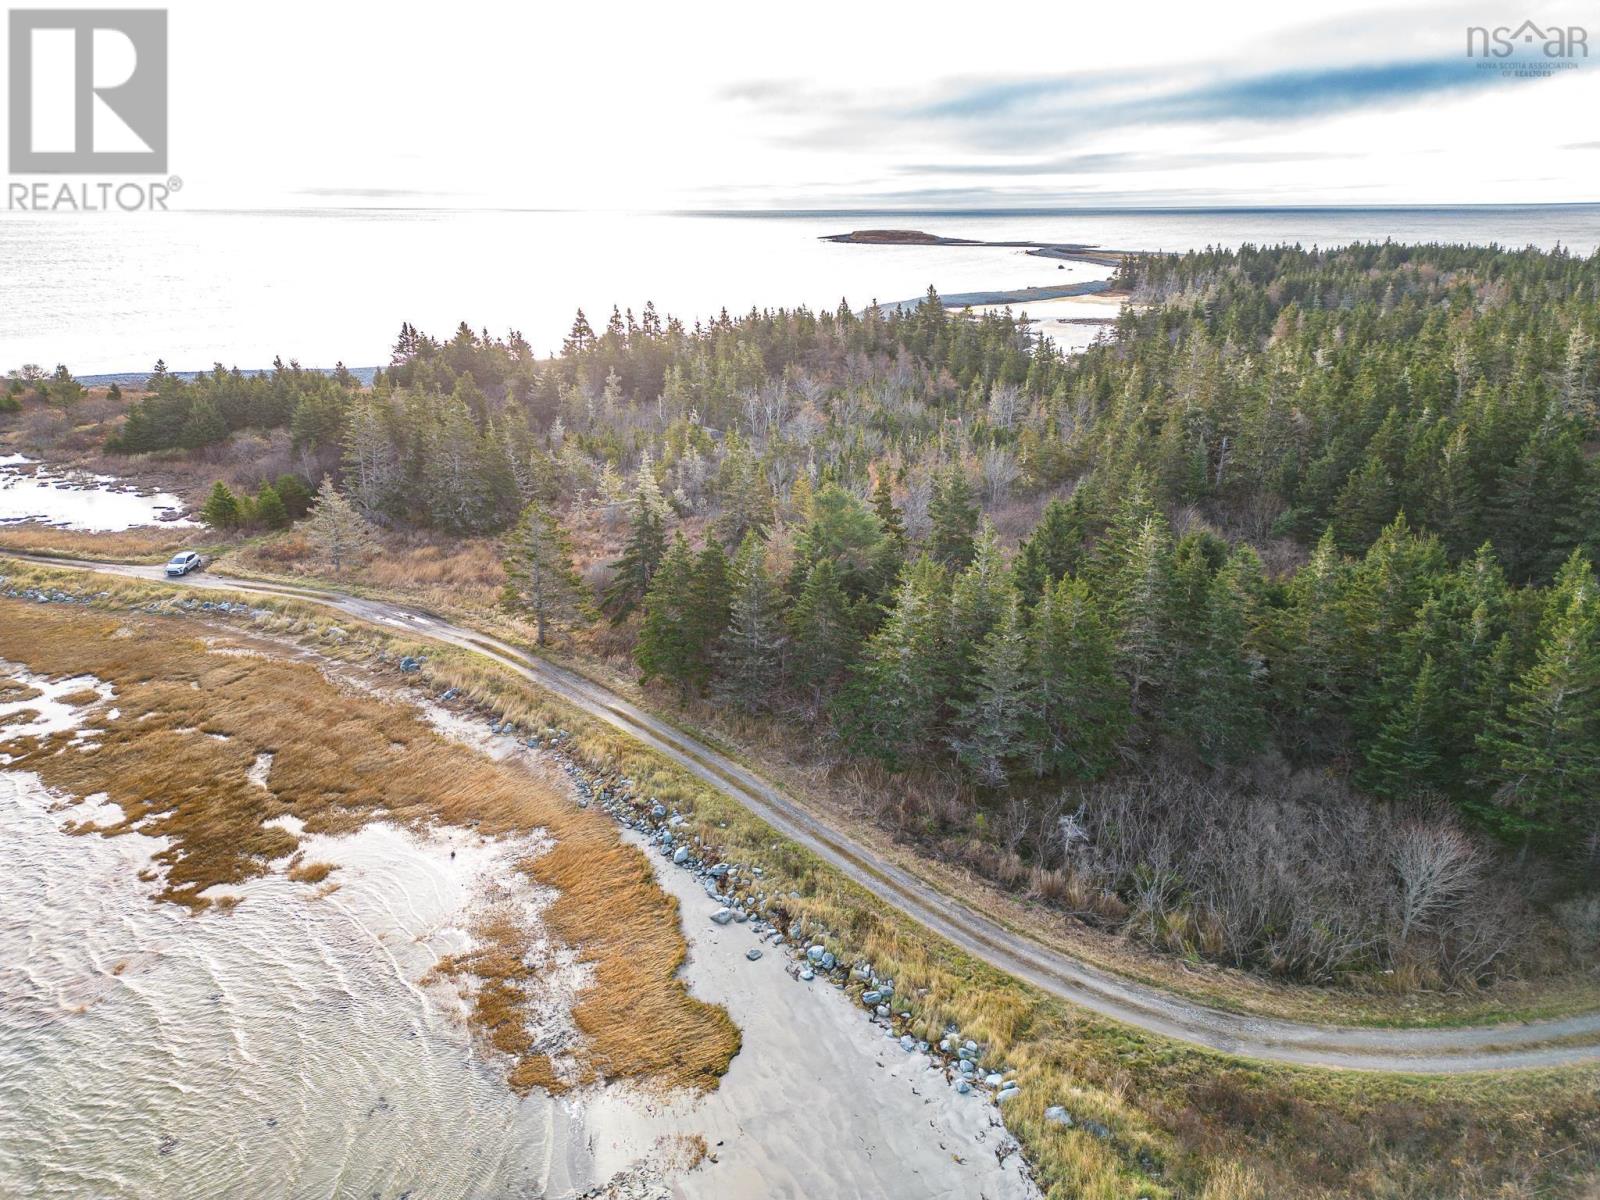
1071, 251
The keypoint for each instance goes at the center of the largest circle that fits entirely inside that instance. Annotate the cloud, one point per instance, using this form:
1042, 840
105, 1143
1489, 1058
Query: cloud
1118, 162
1023, 115
370, 193
1290, 95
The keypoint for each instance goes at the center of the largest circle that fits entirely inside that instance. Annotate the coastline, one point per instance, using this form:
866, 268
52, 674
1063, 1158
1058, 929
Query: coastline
999, 297
1069, 251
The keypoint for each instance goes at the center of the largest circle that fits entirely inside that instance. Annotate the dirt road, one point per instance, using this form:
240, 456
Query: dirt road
1566, 1041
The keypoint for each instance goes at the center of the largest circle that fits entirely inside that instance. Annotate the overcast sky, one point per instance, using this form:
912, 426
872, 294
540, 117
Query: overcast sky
824, 105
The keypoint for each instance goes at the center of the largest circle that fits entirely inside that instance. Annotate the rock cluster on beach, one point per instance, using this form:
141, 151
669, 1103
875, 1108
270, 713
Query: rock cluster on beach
745, 900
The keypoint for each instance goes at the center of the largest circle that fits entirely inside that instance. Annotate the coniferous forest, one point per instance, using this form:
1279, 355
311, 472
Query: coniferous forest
1267, 628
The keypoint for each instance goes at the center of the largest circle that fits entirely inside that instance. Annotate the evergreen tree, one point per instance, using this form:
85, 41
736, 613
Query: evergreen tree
978, 596
1404, 758
843, 529
1548, 743
954, 515
371, 459
1050, 551
295, 495
465, 481
988, 729
891, 708
665, 647
203, 425
336, 528
750, 653
1218, 706
1077, 703
1142, 596
825, 632
1315, 669
221, 509
894, 526
685, 614
642, 552
269, 508
744, 495
540, 578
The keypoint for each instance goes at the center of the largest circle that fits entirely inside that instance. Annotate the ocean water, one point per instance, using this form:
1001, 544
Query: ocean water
114, 292
31, 491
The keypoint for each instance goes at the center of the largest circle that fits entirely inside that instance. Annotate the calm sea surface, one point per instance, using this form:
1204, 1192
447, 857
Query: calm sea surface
107, 292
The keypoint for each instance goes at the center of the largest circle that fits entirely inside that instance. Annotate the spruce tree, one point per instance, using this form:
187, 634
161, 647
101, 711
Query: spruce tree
295, 495
540, 578
978, 595
221, 509
1316, 666
203, 426
1404, 758
269, 508
894, 526
1142, 608
1077, 703
1548, 743
750, 653
841, 528
825, 633
987, 737
745, 498
642, 552
954, 517
336, 528
666, 645
372, 468
1218, 708
891, 709
1050, 551
686, 612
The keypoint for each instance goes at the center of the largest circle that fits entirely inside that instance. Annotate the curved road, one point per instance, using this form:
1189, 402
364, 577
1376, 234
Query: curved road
1419, 1051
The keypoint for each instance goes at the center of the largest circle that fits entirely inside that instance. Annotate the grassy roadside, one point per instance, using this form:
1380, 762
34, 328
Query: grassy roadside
782, 758
152, 544
1151, 1118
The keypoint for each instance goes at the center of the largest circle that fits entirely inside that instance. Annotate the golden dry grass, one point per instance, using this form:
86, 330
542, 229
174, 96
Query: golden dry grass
1179, 1122
153, 543
315, 872
194, 716
462, 577
451, 574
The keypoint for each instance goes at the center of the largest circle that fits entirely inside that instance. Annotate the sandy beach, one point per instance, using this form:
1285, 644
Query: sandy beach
820, 1101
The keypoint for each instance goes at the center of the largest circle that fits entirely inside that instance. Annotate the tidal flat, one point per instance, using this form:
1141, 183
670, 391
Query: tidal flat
280, 929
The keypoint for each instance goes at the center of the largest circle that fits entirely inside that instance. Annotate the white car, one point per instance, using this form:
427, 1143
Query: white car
182, 563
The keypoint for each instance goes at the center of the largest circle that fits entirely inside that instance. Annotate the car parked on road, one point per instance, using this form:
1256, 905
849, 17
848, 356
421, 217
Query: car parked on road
183, 562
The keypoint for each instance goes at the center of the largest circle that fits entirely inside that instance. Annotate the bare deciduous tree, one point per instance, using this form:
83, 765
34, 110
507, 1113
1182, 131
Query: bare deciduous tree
1000, 471
1436, 865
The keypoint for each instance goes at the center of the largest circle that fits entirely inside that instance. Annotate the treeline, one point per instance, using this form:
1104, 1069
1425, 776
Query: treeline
190, 415
1107, 640
1291, 391
1412, 427
1280, 392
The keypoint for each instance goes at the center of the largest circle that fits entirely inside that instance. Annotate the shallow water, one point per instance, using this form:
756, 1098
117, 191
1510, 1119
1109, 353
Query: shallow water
288, 1048
76, 500
282, 1049
285, 1048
